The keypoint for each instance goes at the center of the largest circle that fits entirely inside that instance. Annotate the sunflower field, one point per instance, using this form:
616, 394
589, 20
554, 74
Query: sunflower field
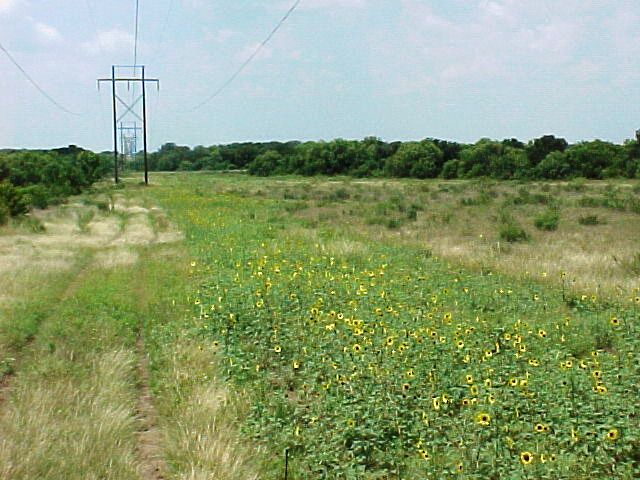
387, 363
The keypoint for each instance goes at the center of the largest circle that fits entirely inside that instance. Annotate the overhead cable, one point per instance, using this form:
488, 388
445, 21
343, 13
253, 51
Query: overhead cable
135, 43
250, 59
34, 83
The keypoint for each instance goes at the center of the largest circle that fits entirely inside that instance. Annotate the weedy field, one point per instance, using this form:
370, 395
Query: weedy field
372, 329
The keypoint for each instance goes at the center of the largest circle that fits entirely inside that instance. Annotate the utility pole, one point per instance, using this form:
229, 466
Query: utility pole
129, 108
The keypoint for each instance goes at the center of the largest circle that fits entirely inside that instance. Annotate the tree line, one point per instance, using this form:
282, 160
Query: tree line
38, 178
547, 157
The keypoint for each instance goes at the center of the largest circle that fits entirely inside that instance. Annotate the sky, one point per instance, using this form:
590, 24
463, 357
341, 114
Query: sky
395, 69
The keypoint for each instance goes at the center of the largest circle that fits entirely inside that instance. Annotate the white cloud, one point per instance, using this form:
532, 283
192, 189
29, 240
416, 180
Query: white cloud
224, 34
7, 5
110, 41
47, 33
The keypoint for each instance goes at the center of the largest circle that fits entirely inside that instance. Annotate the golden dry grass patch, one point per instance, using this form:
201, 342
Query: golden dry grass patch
56, 428
202, 440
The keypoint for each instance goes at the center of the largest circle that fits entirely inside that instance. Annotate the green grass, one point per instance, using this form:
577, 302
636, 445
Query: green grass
286, 319
379, 362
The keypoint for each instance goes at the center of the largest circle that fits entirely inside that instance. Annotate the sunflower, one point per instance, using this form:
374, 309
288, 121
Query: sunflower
526, 458
389, 341
460, 344
469, 379
513, 382
357, 348
615, 321
612, 435
483, 419
542, 333
423, 454
459, 467
405, 387
351, 423
540, 428
277, 349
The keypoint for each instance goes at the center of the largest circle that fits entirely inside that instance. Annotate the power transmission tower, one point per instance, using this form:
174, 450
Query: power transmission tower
129, 142
138, 76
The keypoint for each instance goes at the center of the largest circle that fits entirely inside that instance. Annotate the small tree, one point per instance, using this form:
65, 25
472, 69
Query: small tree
265, 164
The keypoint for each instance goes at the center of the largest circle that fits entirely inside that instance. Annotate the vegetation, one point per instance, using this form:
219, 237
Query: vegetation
372, 328
546, 157
39, 178
372, 359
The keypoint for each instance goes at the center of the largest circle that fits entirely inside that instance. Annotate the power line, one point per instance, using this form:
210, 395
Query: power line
35, 84
250, 59
161, 38
92, 17
135, 44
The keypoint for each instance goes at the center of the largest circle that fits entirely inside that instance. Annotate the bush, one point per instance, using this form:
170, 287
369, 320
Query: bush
512, 232
547, 220
36, 196
589, 220
13, 199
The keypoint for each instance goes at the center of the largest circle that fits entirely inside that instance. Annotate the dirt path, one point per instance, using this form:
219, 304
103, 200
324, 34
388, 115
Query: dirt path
152, 465
149, 435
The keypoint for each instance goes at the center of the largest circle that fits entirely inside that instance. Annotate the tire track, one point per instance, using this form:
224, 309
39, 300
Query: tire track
7, 379
149, 435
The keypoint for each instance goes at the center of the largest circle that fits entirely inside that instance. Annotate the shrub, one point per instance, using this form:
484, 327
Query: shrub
36, 195
548, 220
512, 232
589, 220
13, 199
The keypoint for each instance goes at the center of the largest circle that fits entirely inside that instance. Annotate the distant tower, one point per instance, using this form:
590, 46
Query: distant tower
638, 135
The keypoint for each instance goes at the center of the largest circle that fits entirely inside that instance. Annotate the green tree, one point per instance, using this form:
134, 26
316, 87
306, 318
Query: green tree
554, 166
539, 148
267, 163
476, 160
591, 159
415, 159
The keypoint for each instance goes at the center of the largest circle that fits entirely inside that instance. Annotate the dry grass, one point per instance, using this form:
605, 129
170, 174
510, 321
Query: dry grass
459, 221
201, 433
59, 426
69, 411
